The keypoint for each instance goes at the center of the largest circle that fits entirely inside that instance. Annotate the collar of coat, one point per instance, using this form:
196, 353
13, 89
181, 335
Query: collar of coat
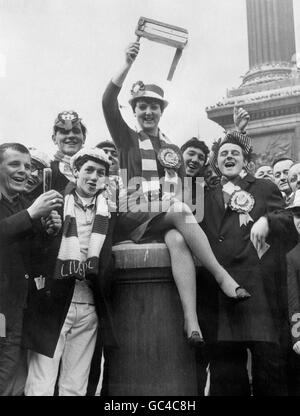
217, 193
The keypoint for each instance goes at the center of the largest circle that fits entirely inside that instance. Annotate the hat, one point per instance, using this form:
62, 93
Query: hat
106, 143
141, 90
295, 201
39, 157
67, 120
94, 153
213, 156
240, 139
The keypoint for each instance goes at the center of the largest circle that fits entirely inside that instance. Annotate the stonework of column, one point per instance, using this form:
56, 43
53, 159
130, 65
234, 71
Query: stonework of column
270, 90
271, 34
153, 357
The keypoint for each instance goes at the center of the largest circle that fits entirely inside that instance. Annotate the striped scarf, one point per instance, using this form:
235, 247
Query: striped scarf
69, 258
149, 163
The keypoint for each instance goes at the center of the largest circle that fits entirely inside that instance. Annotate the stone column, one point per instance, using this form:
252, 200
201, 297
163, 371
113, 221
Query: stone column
271, 34
153, 357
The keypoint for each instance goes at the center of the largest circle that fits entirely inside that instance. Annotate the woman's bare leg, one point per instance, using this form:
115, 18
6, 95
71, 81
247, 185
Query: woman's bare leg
184, 274
179, 216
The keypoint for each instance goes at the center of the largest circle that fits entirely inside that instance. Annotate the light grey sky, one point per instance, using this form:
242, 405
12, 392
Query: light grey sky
59, 54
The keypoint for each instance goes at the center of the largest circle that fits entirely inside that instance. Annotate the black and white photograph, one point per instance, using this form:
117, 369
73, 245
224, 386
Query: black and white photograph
150, 200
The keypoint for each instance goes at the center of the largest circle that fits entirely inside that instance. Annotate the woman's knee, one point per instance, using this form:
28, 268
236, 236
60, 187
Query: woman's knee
174, 238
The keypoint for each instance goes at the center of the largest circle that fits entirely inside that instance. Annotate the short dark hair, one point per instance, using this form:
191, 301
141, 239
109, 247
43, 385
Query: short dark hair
147, 99
18, 147
198, 144
82, 126
281, 159
82, 160
106, 143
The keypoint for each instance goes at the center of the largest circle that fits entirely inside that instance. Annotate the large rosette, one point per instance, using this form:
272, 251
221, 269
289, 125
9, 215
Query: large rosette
170, 157
242, 202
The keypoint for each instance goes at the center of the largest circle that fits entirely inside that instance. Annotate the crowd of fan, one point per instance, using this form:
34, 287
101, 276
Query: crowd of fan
56, 268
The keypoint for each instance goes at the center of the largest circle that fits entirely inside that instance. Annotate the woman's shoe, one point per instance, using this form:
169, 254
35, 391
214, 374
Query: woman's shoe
241, 294
195, 340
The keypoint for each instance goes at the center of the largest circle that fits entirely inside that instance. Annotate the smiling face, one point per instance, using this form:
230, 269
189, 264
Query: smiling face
194, 159
294, 177
14, 172
230, 160
113, 157
90, 178
36, 176
148, 113
280, 171
69, 142
265, 172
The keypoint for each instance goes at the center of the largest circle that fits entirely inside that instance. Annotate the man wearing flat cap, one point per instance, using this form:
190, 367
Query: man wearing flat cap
245, 222
69, 134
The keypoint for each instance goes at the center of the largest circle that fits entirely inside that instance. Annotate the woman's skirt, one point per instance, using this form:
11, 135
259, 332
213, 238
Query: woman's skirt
142, 225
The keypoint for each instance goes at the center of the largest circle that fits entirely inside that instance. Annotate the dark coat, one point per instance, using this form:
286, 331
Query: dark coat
16, 230
48, 307
293, 267
59, 181
262, 317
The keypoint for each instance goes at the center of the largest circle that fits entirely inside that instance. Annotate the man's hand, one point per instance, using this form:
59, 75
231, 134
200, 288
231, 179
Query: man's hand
44, 204
241, 118
259, 233
296, 347
53, 223
131, 52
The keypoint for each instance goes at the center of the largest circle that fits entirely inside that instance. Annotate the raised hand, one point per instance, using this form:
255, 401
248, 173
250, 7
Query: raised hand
241, 118
45, 203
131, 52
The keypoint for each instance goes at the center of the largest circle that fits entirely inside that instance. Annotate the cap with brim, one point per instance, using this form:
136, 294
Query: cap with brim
295, 201
67, 120
40, 157
93, 152
141, 90
233, 137
240, 139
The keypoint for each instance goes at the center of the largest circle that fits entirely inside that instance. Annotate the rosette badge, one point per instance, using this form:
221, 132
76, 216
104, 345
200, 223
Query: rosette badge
137, 89
242, 202
170, 157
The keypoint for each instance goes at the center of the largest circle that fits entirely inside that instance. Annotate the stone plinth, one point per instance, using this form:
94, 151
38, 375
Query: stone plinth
275, 121
153, 358
270, 91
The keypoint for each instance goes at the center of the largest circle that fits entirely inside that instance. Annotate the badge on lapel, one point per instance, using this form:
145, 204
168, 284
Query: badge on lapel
242, 202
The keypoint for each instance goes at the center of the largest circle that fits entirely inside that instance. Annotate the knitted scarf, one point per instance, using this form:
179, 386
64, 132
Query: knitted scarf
64, 165
68, 262
149, 164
